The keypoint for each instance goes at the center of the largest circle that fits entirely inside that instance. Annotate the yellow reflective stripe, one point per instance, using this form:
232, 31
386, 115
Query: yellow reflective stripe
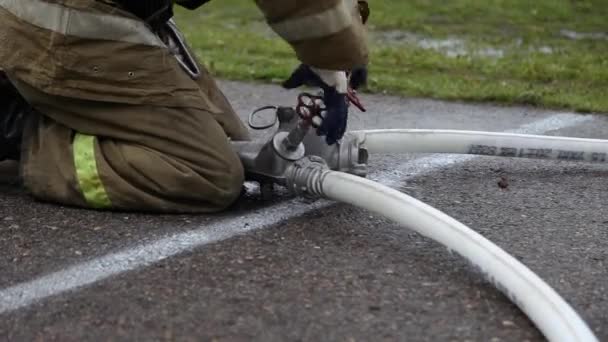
86, 171
317, 25
73, 22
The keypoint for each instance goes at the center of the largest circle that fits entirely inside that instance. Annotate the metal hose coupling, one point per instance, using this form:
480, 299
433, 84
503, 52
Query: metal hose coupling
305, 177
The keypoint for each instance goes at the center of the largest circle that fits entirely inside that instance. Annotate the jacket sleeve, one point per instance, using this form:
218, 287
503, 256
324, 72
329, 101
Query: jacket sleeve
327, 34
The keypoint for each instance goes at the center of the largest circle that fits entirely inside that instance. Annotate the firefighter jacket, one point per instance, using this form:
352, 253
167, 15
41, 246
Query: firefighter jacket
94, 50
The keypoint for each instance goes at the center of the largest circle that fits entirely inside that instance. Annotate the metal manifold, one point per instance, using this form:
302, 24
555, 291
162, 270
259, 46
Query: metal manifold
268, 161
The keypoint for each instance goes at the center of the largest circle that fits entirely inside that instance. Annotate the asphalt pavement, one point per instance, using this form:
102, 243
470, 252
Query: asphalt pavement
289, 270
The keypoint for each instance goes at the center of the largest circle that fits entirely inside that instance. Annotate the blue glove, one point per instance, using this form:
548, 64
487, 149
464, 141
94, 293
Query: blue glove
358, 77
334, 85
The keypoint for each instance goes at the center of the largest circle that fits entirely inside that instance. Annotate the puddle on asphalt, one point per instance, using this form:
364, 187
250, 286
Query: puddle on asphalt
452, 46
583, 35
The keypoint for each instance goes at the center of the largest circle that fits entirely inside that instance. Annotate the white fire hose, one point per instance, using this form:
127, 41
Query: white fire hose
551, 314
307, 172
483, 143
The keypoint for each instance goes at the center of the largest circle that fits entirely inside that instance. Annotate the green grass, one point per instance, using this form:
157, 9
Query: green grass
232, 39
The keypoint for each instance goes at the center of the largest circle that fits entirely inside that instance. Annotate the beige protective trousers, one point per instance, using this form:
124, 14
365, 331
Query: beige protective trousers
132, 157
121, 125
109, 155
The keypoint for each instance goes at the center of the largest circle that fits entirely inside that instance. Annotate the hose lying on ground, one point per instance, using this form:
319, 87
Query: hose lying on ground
551, 314
483, 143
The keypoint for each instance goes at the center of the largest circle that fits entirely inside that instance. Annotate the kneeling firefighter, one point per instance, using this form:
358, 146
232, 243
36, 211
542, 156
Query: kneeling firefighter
105, 107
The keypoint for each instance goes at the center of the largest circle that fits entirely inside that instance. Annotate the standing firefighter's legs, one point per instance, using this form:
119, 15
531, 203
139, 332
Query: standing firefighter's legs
129, 157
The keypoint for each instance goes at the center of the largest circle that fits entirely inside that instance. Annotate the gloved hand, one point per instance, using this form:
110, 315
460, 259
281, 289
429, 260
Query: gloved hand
335, 86
358, 77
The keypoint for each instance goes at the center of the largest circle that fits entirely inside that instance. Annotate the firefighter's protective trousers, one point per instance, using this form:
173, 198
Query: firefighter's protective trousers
121, 125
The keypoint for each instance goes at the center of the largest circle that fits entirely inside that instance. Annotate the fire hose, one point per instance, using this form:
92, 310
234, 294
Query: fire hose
483, 143
301, 161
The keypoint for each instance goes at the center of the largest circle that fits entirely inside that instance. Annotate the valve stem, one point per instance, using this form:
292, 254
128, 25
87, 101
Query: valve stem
296, 135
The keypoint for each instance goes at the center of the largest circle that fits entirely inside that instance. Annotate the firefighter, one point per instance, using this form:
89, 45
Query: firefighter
105, 106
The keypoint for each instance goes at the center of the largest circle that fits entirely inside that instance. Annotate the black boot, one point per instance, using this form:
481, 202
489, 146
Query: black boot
13, 110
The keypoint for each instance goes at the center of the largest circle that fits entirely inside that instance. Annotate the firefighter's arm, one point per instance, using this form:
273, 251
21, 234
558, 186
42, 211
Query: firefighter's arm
327, 34
329, 38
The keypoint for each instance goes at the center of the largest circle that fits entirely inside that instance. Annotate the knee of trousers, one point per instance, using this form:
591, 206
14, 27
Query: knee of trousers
211, 186
230, 185
126, 177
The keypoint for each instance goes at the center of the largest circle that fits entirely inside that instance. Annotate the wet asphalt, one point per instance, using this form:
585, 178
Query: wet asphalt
334, 274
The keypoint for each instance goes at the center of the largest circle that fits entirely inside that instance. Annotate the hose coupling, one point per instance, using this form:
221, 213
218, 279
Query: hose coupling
305, 176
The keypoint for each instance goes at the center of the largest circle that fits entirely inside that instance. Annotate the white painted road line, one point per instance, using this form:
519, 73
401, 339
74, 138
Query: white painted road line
98, 269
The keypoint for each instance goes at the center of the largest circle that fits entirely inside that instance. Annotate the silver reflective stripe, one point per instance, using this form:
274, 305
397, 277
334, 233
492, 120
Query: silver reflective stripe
318, 25
73, 22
